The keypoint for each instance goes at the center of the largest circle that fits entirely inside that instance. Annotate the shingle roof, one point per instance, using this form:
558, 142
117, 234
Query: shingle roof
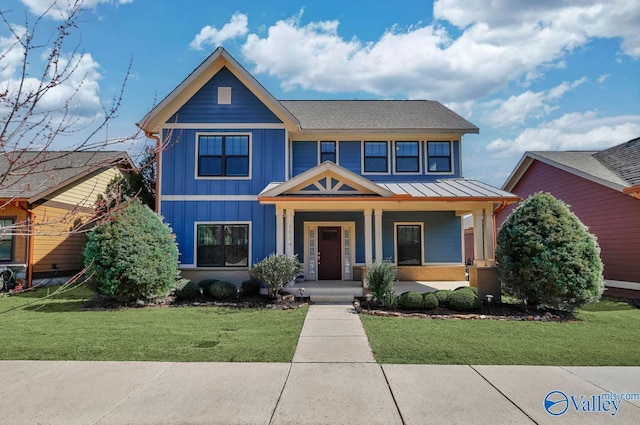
584, 162
32, 174
377, 115
624, 160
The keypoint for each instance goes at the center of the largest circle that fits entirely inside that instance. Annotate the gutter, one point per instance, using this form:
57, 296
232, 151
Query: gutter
633, 191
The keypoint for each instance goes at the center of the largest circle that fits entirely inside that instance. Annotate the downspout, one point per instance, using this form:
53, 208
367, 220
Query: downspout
150, 135
30, 243
495, 230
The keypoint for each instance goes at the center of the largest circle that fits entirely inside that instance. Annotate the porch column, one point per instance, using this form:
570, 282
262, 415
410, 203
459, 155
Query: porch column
478, 238
279, 231
368, 239
378, 231
288, 224
489, 249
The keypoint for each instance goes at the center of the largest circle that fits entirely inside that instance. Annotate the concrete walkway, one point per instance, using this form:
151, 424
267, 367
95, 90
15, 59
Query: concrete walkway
333, 379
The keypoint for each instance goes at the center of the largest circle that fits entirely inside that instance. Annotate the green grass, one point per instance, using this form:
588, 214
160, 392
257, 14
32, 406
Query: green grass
607, 333
54, 328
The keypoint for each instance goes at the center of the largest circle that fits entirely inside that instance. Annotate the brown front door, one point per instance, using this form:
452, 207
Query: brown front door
329, 253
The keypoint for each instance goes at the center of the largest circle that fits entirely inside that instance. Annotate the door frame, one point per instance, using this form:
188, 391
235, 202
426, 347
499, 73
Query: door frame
347, 256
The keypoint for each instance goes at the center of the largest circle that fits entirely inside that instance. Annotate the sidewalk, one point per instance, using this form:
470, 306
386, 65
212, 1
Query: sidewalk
333, 379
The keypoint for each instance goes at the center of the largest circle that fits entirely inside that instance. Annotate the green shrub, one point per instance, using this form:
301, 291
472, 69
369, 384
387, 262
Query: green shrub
442, 295
189, 291
381, 278
410, 299
275, 271
250, 287
222, 290
468, 288
429, 301
131, 255
547, 257
464, 300
205, 285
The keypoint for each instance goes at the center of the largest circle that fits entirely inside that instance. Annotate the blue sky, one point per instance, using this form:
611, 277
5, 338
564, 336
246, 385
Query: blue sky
543, 75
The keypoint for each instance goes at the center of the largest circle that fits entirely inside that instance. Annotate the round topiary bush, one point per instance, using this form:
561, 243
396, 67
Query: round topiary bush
205, 285
250, 287
547, 257
442, 295
410, 299
469, 288
429, 301
463, 300
222, 290
189, 291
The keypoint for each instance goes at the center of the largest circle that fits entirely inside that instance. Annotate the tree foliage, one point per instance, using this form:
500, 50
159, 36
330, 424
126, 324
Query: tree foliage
275, 271
547, 257
132, 256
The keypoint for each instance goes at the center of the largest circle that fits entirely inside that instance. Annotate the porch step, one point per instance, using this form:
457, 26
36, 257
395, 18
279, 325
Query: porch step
344, 298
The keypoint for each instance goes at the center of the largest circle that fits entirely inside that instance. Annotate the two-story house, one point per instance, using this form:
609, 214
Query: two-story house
339, 183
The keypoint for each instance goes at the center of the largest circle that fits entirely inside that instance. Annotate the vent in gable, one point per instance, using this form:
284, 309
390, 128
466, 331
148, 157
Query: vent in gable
224, 95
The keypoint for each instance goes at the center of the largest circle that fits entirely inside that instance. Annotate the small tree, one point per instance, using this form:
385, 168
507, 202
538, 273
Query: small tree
547, 257
275, 271
381, 276
132, 256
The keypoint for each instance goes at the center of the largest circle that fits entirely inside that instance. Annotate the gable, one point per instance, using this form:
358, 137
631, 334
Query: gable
241, 105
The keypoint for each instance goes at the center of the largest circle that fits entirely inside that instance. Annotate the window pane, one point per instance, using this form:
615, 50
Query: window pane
407, 164
375, 148
439, 164
409, 239
223, 245
210, 145
6, 239
237, 166
375, 165
407, 148
327, 147
327, 156
210, 166
236, 145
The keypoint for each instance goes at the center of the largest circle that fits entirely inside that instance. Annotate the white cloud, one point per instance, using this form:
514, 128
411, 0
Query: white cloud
574, 131
518, 108
603, 78
237, 27
11, 52
57, 9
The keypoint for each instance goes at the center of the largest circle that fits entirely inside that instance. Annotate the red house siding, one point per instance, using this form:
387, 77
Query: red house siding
611, 215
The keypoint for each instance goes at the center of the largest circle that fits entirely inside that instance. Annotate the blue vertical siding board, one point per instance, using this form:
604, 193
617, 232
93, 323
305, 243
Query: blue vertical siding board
203, 106
305, 156
350, 156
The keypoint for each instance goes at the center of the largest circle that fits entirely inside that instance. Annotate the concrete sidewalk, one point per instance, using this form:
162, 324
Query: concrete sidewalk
333, 379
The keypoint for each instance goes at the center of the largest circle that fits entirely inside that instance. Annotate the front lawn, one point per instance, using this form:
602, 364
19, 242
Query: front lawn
32, 328
606, 334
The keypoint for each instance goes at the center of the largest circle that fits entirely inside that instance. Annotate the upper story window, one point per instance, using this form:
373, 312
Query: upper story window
223, 156
407, 157
376, 157
328, 152
439, 157
6, 239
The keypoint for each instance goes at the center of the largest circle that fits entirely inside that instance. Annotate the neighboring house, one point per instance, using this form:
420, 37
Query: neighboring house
339, 183
603, 190
45, 199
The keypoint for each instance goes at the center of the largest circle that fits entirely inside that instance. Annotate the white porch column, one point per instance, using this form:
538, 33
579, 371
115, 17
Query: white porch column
368, 239
279, 231
378, 232
489, 249
288, 224
478, 238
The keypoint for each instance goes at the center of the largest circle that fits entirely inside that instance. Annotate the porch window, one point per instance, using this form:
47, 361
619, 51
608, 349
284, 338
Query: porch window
327, 151
223, 156
407, 157
439, 157
6, 239
223, 245
375, 157
409, 240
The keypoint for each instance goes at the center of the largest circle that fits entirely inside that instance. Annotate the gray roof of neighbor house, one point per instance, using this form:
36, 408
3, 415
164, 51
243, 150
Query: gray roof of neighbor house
34, 174
582, 161
624, 160
375, 115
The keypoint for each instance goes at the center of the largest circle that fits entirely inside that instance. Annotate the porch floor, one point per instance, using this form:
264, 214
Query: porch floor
354, 288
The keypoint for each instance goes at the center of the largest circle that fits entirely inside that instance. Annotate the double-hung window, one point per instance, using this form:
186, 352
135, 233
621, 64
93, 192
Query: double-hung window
6, 239
409, 244
223, 156
327, 152
376, 157
407, 157
439, 157
223, 245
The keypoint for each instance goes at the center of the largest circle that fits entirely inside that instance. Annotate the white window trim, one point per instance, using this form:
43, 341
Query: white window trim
362, 157
408, 173
197, 150
395, 240
195, 245
313, 225
319, 157
426, 159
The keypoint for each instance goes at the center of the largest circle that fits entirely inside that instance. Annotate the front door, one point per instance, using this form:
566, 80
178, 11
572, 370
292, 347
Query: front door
329, 253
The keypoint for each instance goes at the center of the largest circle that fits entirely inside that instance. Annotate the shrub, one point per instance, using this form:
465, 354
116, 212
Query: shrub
205, 285
189, 291
410, 299
442, 295
468, 288
275, 271
547, 257
131, 255
429, 301
381, 277
464, 300
250, 287
222, 290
